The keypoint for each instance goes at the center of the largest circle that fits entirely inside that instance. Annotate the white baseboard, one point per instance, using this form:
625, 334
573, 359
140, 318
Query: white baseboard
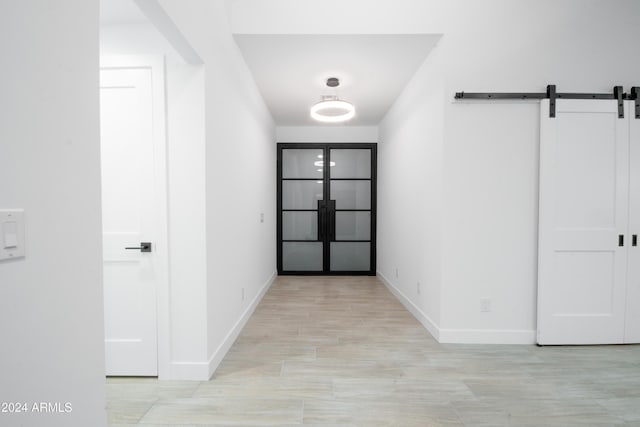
487, 336
425, 320
221, 351
461, 336
202, 371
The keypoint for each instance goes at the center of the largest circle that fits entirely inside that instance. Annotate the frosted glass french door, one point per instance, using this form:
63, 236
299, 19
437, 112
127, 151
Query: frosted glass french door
326, 208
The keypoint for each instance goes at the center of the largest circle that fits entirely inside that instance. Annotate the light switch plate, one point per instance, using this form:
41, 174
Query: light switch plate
11, 233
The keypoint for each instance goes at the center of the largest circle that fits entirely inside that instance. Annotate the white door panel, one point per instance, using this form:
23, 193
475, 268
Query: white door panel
128, 219
632, 324
585, 177
583, 209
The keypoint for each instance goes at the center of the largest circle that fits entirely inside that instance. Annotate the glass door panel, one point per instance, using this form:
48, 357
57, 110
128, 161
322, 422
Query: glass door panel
302, 163
353, 225
351, 163
302, 256
300, 187
300, 225
350, 186
351, 194
350, 256
297, 194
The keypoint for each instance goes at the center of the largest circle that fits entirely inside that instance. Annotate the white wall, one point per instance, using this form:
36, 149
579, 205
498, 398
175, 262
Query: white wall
51, 320
187, 216
186, 191
491, 149
327, 133
410, 181
488, 213
240, 175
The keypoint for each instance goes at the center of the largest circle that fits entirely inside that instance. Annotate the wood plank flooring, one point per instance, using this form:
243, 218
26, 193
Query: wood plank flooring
342, 351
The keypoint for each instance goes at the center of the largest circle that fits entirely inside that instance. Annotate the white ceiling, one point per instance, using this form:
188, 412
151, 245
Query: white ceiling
291, 71
114, 12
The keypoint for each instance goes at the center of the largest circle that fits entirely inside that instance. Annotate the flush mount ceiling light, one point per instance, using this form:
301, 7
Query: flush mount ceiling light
331, 109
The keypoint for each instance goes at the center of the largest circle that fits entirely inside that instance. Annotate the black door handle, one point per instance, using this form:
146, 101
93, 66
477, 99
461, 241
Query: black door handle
634, 240
144, 247
326, 220
321, 220
620, 240
332, 220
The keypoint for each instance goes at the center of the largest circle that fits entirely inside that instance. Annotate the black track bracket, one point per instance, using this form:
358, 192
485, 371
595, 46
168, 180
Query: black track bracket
619, 95
635, 97
551, 94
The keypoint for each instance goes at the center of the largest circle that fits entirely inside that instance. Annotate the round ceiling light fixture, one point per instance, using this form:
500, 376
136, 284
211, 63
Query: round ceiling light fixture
331, 109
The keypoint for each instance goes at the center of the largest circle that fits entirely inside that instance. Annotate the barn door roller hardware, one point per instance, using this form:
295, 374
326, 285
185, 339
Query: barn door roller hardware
552, 95
635, 97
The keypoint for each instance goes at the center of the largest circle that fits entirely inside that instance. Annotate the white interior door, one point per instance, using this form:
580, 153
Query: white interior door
632, 324
128, 219
584, 187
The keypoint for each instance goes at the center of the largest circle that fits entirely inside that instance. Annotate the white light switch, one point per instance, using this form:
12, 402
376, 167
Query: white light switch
11, 233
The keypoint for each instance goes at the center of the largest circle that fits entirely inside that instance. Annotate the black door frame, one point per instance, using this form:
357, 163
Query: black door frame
326, 187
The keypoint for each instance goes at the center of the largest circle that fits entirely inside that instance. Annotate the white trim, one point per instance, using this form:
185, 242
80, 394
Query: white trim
487, 336
156, 64
221, 351
425, 320
461, 336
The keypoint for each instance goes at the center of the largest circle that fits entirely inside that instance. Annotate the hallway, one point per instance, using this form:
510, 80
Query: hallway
342, 351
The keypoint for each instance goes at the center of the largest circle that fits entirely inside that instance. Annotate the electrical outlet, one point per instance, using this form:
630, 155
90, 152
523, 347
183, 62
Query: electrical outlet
418, 288
261, 217
485, 305
242, 294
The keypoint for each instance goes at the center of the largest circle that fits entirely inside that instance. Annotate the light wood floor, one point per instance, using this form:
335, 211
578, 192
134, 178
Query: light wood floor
342, 351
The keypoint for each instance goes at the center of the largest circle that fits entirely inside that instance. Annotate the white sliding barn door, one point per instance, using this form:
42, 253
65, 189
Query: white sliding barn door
584, 188
632, 324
